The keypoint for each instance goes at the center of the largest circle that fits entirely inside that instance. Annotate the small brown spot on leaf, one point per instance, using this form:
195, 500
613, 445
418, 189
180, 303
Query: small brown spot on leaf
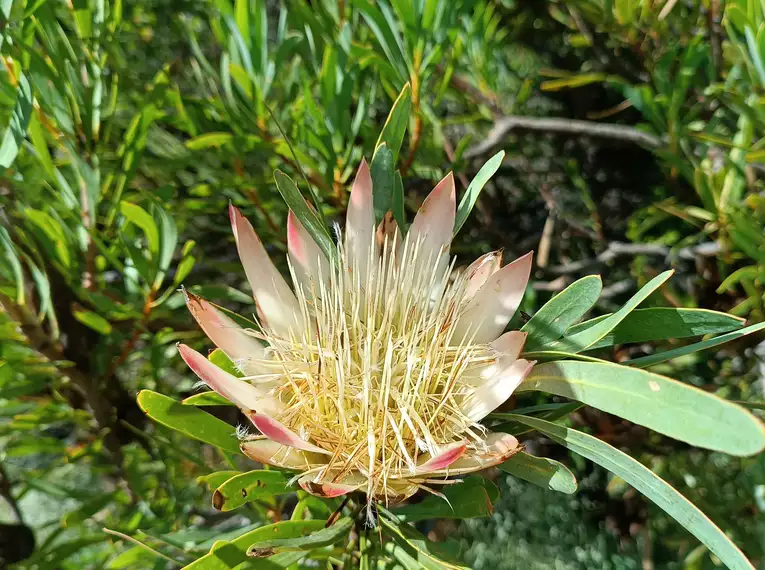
218, 500
244, 493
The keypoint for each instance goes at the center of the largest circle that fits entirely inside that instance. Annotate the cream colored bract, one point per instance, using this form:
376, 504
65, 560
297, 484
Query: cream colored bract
372, 372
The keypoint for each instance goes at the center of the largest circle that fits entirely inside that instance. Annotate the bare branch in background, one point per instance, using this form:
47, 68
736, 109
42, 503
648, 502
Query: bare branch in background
619, 249
505, 125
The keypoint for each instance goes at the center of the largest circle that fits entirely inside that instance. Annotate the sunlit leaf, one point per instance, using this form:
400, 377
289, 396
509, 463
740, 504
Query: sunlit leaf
474, 189
189, 420
648, 483
550, 322
659, 403
249, 486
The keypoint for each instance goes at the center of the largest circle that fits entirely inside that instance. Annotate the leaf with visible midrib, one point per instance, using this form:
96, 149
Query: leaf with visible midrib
189, 420
659, 403
559, 313
658, 323
541, 471
648, 483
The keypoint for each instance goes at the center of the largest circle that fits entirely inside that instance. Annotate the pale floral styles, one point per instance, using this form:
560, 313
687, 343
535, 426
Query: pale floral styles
373, 370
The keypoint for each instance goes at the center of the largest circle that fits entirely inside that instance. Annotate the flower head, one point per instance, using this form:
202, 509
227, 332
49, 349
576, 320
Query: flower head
372, 372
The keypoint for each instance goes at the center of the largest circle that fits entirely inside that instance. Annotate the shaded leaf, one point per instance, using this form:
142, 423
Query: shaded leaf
474, 497
543, 472
658, 323
651, 359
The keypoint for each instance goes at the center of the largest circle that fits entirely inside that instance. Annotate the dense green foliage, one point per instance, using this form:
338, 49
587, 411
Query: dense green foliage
633, 139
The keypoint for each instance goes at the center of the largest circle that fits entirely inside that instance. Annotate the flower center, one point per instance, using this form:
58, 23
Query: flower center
378, 374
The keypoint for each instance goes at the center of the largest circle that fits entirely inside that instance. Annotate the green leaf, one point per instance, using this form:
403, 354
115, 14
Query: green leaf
658, 323
209, 140
17, 129
214, 480
13, 260
52, 229
249, 486
473, 497
546, 473
651, 359
168, 239
393, 130
209, 398
387, 35
399, 212
227, 555
586, 338
93, 320
648, 483
417, 549
222, 361
135, 214
474, 189
659, 403
310, 220
383, 182
562, 311
188, 420
317, 539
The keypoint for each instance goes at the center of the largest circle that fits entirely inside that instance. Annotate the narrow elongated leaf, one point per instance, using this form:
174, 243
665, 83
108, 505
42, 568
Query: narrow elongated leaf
427, 554
386, 35
209, 140
188, 420
249, 486
651, 359
559, 313
215, 480
227, 555
383, 181
310, 220
12, 259
667, 406
207, 399
317, 539
93, 321
648, 483
474, 189
474, 497
586, 338
393, 130
399, 211
17, 129
658, 323
135, 214
546, 473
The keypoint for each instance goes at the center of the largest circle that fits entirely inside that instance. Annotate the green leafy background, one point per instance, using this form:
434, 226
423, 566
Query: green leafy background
624, 138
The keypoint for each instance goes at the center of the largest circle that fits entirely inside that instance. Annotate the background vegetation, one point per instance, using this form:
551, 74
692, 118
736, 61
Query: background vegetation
633, 132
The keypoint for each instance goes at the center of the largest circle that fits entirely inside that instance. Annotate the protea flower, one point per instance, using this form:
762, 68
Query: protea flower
372, 372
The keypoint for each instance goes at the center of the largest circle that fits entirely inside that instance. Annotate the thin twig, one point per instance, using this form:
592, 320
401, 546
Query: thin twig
140, 544
619, 249
505, 125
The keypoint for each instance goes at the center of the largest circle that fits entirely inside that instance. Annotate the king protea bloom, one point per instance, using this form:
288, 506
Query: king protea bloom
373, 371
